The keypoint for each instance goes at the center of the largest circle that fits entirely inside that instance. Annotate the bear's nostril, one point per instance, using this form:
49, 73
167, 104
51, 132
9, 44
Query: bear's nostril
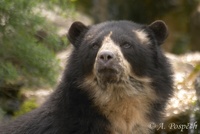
106, 56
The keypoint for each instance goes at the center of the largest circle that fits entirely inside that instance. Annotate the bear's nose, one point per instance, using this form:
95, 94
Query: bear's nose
106, 56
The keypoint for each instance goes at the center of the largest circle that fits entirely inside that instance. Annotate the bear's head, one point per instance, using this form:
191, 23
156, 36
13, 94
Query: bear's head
115, 51
122, 67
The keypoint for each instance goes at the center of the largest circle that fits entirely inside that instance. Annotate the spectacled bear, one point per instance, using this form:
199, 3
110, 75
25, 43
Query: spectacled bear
117, 81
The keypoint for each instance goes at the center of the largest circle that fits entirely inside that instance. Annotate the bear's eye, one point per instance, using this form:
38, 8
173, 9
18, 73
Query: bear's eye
126, 45
95, 45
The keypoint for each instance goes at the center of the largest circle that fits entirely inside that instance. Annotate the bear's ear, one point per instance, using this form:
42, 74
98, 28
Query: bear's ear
160, 30
75, 31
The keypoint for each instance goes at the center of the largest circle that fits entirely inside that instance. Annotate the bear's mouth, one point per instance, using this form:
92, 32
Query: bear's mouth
108, 75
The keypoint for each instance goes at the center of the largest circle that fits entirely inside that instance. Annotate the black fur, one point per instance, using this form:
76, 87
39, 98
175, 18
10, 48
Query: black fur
70, 110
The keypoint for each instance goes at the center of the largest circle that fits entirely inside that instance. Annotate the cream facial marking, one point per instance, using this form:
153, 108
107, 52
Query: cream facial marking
125, 103
142, 36
109, 45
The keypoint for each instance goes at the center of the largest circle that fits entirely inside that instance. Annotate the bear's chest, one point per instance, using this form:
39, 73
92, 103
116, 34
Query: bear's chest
126, 108
127, 116
126, 105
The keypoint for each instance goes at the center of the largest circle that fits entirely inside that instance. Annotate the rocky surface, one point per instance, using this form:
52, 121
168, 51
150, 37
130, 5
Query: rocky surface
62, 19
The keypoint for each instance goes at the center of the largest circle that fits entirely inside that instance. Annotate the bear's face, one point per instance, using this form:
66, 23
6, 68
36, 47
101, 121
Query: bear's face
117, 51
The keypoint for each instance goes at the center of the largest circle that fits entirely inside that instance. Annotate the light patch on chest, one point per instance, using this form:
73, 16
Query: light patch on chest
142, 36
125, 105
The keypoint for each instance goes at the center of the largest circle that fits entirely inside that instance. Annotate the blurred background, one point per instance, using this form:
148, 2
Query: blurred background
34, 48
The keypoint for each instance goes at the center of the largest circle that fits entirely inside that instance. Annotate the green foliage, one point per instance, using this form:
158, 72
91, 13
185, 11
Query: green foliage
8, 71
26, 107
25, 55
28, 43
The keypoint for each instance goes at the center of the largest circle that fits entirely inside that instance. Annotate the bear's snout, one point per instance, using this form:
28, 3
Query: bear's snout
106, 59
107, 62
107, 67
